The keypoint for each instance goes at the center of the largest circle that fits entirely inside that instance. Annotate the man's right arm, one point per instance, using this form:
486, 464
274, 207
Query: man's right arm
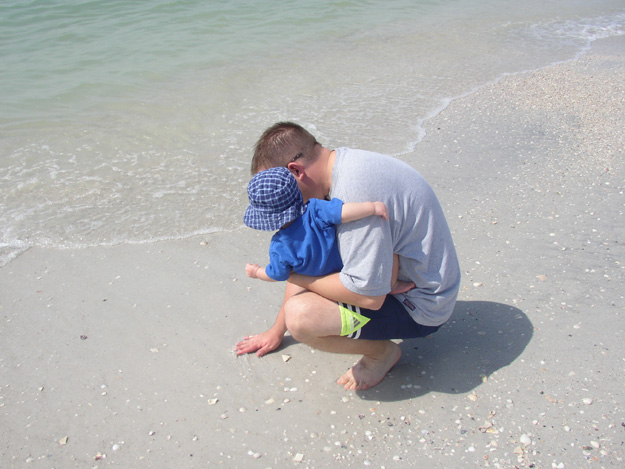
271, 339
331, 287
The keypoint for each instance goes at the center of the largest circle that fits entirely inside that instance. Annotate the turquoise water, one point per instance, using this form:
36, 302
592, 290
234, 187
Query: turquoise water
132, 121
62, 55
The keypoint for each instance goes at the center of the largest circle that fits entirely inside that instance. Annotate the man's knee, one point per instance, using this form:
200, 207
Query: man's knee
297, 317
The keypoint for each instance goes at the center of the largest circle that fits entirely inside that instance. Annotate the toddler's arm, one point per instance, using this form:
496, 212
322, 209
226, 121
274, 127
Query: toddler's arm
353, 211
256, 271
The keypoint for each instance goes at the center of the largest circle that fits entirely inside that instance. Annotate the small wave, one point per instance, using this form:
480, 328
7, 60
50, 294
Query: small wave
10, 251
591, 29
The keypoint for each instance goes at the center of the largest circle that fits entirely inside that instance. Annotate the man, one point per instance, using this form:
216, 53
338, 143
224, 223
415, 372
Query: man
351, 311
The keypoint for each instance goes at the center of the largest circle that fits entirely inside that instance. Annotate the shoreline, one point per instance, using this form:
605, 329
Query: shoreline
14, 248
422, 123
123, 355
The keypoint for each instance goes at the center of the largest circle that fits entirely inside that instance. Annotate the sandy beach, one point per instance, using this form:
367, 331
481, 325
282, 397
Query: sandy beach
123, 356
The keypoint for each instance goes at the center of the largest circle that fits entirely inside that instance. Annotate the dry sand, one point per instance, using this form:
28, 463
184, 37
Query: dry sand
123, 356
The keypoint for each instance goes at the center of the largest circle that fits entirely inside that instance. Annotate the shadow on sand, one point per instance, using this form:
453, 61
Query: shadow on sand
480, 338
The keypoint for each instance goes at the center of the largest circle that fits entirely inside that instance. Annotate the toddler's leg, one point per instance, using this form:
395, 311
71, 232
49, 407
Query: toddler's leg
399, 286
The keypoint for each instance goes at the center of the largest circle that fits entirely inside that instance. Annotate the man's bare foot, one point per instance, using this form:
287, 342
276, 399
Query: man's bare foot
370, 371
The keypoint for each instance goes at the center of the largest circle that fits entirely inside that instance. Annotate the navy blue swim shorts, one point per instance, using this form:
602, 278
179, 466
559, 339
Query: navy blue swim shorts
391, 321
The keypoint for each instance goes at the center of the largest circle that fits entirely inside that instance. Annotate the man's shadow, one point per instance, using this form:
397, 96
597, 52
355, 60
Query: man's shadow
480, 338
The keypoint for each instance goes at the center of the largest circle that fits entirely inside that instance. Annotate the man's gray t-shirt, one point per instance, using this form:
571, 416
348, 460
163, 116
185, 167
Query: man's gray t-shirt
417, 231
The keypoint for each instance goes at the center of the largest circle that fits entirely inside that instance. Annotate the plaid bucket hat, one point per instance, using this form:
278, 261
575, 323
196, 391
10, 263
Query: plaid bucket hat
275, 200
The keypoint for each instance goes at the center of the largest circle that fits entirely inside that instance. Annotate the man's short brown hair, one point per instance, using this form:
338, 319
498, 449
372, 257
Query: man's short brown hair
280, 144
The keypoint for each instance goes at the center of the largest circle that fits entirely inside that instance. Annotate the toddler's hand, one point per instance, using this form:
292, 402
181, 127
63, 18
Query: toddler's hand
380, 210
251, 270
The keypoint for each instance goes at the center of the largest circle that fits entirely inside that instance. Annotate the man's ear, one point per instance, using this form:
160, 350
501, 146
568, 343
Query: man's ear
297, 170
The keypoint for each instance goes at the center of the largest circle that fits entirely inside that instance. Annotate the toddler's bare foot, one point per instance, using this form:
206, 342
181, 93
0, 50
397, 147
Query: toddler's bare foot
402, 287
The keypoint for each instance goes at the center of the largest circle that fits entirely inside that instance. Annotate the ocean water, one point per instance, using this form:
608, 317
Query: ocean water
132, 121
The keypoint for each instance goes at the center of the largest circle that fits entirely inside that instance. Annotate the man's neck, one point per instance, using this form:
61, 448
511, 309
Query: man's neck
329, 156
